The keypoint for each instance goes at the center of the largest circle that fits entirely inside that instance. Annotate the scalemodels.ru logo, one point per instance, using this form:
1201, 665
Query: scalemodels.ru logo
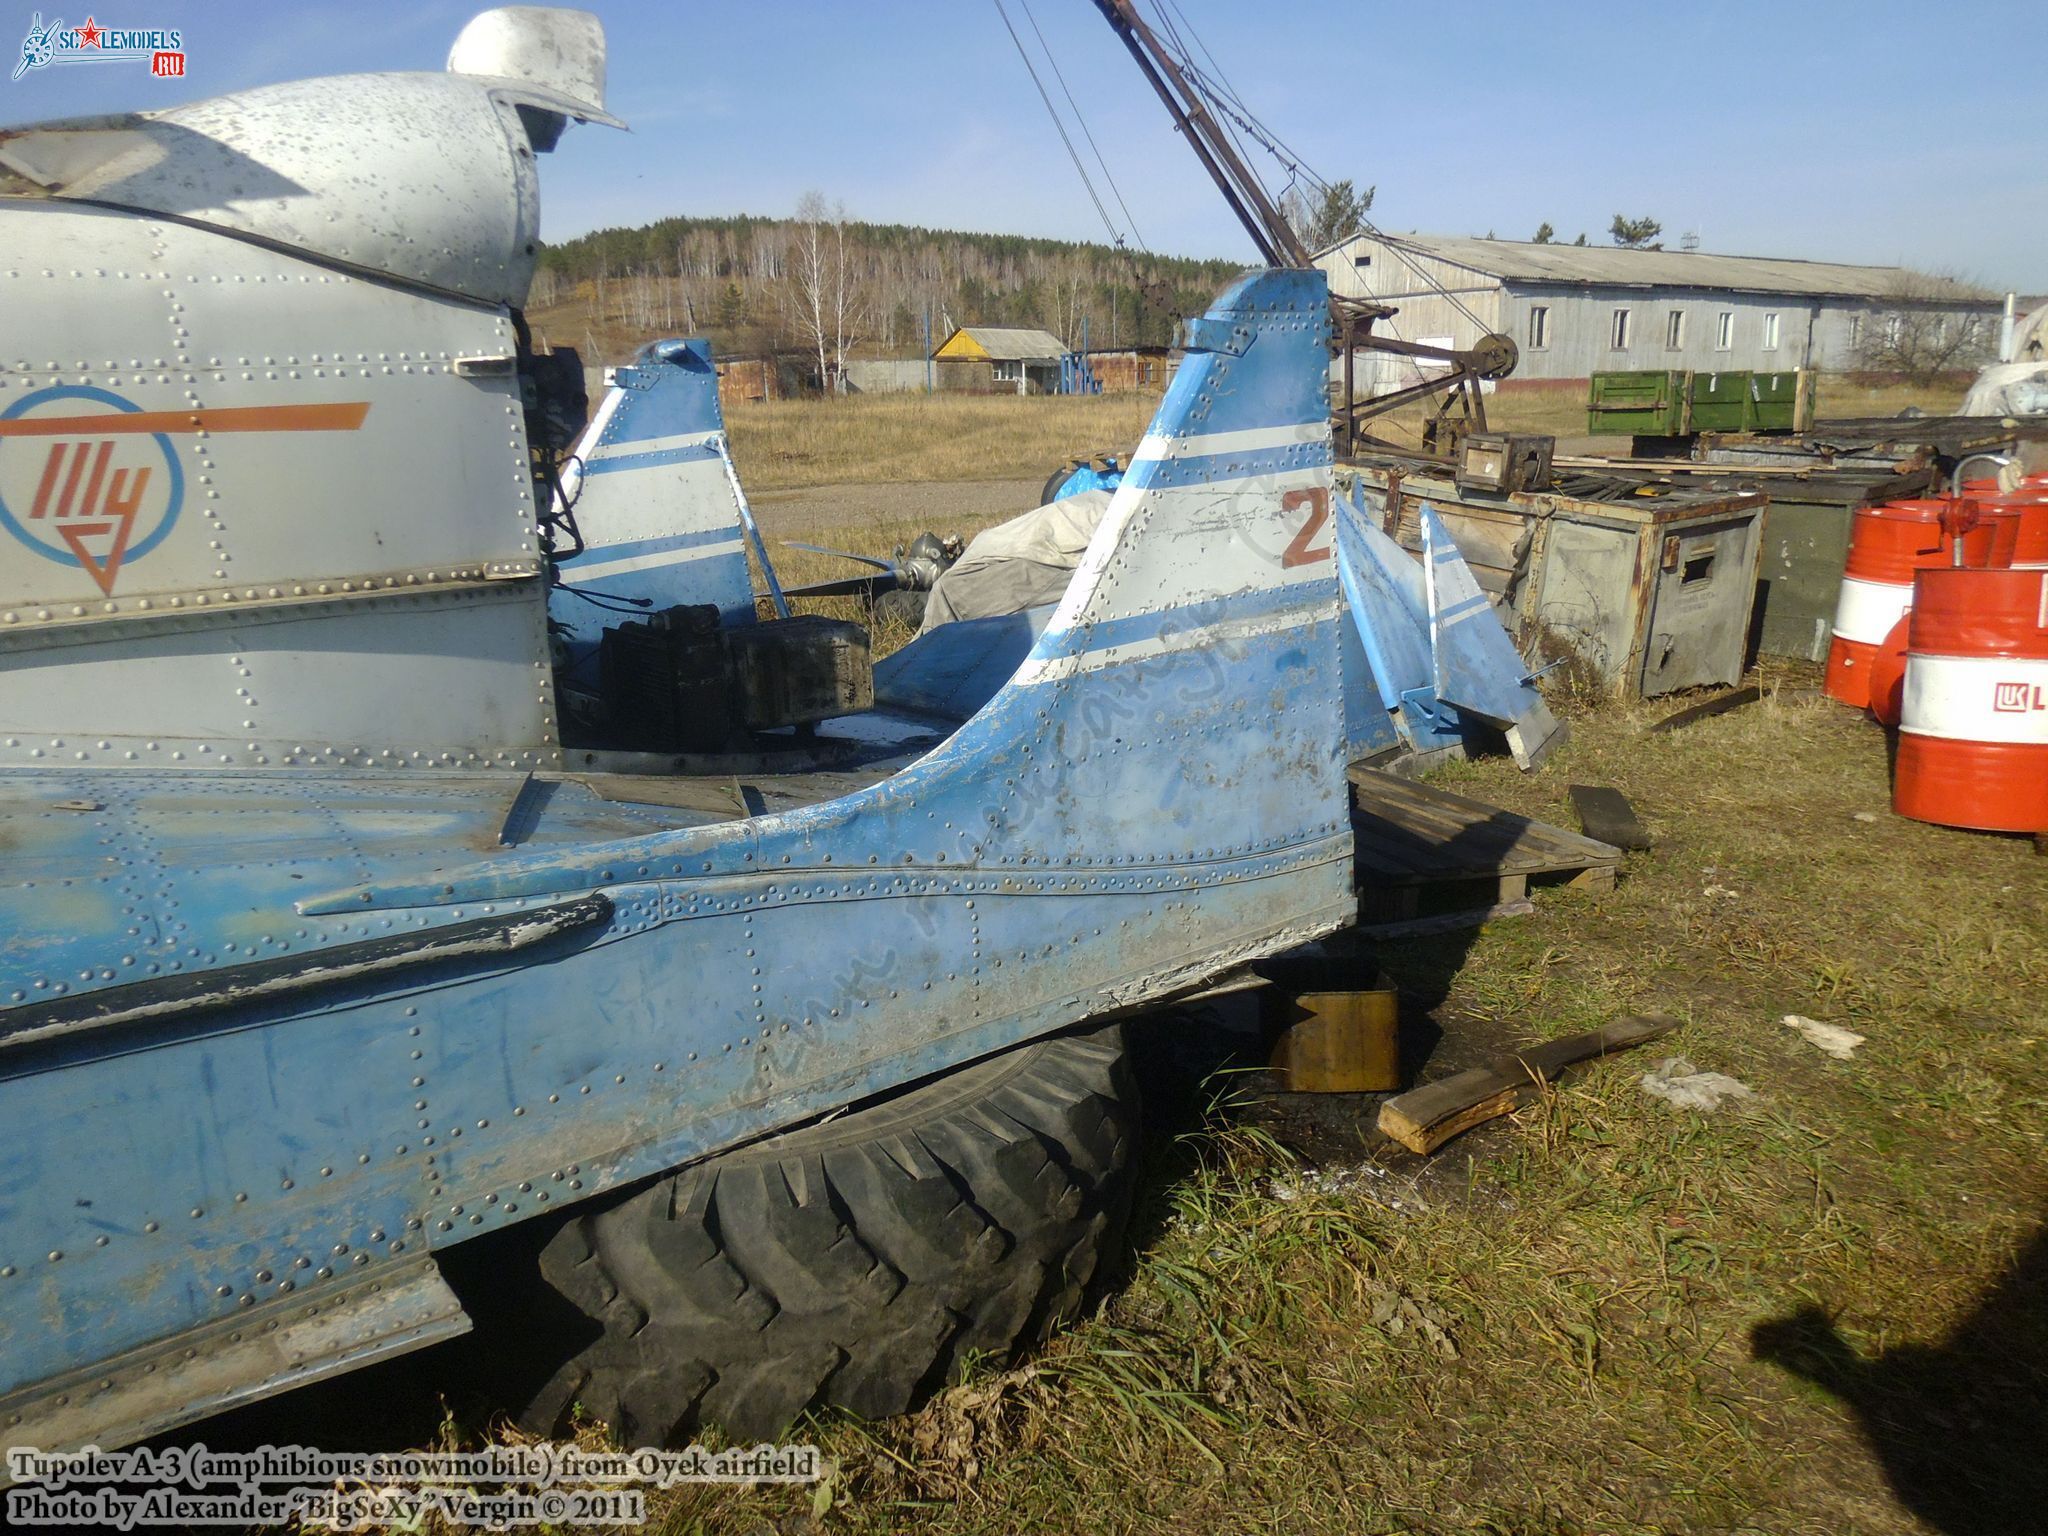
161, 48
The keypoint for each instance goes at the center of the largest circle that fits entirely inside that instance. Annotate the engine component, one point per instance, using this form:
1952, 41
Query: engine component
677, 682
799, 671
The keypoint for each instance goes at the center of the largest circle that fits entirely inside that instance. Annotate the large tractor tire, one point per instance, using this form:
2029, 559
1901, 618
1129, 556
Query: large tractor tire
904, 606
854, 1262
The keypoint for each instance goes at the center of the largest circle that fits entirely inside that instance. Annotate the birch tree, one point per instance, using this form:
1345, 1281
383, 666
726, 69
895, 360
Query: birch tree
825, 285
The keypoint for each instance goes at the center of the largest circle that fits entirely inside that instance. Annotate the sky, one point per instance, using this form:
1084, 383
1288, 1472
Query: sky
1879, 132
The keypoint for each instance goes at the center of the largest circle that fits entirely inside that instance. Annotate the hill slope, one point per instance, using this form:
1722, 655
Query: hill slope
742, 281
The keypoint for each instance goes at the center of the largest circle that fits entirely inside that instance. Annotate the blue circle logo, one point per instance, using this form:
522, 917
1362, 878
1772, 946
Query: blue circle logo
86, 480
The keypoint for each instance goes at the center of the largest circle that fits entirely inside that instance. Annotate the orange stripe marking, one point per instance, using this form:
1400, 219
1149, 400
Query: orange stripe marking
344, 416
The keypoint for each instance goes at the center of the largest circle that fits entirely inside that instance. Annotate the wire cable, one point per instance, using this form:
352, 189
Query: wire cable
1109, 224
1115, 190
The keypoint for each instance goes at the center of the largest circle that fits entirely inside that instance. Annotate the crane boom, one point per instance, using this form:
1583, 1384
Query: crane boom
1268, 227
1280, 246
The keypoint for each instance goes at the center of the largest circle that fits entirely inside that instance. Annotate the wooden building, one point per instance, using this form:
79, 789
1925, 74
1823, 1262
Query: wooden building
1126, 370
1018, 360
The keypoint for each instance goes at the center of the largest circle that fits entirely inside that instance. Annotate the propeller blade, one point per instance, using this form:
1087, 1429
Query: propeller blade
844, 554
869, 587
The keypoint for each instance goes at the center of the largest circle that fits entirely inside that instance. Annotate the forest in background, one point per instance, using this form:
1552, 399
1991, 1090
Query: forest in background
833, 288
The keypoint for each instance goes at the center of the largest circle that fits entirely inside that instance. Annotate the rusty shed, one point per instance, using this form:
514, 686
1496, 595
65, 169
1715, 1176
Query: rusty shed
1126, 370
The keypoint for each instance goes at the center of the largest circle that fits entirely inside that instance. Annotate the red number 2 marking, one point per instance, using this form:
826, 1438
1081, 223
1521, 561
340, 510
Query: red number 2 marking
1317, 499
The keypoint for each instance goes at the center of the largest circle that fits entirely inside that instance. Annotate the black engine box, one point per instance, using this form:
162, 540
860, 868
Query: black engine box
677, 682
665, 682
800, 670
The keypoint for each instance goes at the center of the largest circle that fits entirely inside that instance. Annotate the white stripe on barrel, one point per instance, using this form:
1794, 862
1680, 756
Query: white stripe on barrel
1868, 609
1977, 698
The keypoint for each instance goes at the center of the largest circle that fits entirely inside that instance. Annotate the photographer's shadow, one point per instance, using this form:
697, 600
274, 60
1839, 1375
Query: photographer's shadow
1961, 1427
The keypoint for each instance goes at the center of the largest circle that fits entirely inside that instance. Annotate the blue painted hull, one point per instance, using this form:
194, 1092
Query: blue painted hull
1156, 797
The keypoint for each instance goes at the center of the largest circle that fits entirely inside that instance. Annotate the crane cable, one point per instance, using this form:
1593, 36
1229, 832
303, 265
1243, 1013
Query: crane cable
1116, 237
1115, 190
1225, 100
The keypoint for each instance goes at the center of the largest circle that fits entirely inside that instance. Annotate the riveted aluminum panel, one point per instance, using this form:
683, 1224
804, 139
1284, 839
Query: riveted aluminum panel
427, 177
305, 426
455, 678
321, 547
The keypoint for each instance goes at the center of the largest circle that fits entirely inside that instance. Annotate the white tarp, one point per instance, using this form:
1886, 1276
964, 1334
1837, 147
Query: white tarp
1024, 563
2009, 389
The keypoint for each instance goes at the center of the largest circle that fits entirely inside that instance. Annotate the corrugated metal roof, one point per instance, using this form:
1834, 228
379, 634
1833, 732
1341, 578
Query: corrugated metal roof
1009, 342
1596, 266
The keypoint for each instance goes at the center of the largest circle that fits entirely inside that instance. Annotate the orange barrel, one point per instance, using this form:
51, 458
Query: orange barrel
1888, 673
1887, 544
1973, 723
2029, 505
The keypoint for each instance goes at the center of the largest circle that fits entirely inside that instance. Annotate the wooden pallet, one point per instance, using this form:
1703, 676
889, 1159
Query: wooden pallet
1412, 838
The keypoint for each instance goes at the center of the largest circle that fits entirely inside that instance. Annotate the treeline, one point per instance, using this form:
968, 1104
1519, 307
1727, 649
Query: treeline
742, 280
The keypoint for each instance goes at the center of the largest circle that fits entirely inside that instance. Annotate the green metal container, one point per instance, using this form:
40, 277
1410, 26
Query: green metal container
1721, 402
1650, 404
1781, 402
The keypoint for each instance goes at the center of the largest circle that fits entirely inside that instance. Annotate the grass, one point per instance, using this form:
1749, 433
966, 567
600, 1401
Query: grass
861, 439
1605, 1315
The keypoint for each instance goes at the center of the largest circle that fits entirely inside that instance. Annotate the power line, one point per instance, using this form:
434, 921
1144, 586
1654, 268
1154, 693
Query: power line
1186, 61
1223, 99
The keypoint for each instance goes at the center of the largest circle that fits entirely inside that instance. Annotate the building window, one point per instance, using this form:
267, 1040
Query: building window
1618, 338
1855, 332
1361, 261
1674, 331
1724, 331
1006, 370
1771, 332
1539, 327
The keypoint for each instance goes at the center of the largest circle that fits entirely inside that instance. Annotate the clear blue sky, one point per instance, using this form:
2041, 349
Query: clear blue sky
1812, 128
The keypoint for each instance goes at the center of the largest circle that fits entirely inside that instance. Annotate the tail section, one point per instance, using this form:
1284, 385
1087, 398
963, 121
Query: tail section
1171, 753
1154, 799
655, 498
1440, 661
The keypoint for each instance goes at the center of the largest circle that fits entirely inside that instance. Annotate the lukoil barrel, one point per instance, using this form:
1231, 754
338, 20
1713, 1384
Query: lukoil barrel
1973, 726
1887, 544
2030, 542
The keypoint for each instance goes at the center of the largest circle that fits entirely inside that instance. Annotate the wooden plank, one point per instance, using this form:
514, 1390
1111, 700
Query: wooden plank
1374, 790
1424, 1118
1734, 699
1492, 828
1606, 816
1407, 834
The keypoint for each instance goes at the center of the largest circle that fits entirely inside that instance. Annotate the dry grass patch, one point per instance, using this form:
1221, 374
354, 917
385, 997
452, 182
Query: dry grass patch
885, 439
